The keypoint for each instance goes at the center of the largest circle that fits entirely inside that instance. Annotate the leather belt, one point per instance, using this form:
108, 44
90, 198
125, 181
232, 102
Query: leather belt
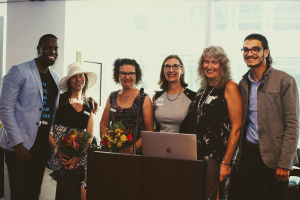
250, 144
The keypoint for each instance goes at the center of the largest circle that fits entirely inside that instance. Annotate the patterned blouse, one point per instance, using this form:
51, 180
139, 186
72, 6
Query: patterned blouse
127, 115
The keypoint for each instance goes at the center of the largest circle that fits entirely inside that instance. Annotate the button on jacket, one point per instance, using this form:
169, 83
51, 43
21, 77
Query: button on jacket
277, 116
21, 103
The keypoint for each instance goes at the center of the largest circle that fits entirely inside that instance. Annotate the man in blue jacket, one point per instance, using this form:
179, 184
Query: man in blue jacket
271, 124
28, 99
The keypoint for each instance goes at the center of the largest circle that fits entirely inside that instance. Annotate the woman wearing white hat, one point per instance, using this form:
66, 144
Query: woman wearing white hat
72, 111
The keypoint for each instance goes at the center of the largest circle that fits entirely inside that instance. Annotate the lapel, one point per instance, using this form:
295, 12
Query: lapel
37, 77
245, 86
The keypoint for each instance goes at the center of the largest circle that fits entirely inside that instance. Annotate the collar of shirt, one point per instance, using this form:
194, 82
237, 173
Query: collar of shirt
252, 81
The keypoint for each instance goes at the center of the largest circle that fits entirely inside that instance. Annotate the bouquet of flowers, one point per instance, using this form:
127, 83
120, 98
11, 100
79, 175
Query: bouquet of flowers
74, 142
117, 138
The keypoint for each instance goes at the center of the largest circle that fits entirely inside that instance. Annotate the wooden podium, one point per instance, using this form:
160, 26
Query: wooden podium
121, 176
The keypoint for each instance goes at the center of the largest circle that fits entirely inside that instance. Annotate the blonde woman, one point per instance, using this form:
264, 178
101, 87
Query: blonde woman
215, 114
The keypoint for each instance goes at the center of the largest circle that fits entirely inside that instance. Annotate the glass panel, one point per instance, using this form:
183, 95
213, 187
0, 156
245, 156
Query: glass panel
278, 21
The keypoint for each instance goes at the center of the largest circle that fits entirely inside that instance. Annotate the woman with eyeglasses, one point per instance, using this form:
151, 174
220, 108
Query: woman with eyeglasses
215, 115
123, 104
171, 105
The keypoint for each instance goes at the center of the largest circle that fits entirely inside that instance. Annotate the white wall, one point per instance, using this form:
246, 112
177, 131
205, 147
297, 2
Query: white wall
26, 23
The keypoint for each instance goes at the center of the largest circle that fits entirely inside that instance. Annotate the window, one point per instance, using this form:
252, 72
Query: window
148, 31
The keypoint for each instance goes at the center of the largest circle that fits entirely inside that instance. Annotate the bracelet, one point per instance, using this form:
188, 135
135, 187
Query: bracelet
55, 150
225, 163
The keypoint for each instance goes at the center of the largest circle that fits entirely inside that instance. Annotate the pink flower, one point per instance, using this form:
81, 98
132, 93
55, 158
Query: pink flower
74, 144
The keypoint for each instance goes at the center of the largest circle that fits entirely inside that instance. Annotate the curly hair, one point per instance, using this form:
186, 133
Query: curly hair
163, 83
224, 75
126, 61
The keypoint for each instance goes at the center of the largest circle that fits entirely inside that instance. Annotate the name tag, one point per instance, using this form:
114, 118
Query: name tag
210, 98
160, 102
113, 110
87, 113
44, 122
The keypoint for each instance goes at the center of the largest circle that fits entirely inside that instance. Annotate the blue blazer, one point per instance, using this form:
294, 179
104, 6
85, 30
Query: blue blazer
21, 98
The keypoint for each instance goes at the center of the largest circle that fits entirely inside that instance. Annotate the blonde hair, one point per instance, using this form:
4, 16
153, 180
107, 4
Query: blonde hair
224, 75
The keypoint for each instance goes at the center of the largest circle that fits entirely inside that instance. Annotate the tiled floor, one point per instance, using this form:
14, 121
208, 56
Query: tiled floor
48, 186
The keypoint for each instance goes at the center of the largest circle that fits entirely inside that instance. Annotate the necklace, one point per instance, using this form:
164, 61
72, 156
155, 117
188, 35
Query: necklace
76, 103
200, 107
128, 95
176, 97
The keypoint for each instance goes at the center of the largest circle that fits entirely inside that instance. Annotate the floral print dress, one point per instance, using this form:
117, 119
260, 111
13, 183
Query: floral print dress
213, 127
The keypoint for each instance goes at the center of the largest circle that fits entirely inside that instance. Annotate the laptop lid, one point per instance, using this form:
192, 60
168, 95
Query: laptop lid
169, 145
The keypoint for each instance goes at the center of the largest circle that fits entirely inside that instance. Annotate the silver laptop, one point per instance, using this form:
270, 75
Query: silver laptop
169, 145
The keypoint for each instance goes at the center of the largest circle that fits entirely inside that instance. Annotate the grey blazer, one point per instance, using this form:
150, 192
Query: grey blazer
277, 116
21, 103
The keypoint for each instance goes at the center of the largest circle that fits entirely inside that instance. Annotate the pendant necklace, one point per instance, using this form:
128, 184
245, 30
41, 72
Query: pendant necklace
176, 97
76, 104
128, 95
200, 106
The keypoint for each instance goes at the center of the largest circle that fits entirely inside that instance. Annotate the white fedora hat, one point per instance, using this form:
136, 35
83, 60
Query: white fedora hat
74, 69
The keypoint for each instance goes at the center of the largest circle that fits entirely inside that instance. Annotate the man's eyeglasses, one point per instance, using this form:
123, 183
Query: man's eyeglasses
254, 50
130, 74
175, 67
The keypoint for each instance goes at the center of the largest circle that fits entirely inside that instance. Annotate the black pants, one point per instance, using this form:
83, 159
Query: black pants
259, 181
26, 176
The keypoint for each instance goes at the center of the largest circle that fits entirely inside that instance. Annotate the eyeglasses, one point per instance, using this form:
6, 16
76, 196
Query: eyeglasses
175, 67
130, 74
254, 50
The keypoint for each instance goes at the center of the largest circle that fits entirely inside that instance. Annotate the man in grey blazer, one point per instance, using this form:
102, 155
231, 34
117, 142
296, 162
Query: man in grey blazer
28, 99
270, 133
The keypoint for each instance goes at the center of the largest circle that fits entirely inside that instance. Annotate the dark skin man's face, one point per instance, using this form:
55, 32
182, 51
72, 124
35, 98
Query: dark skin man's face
48, 51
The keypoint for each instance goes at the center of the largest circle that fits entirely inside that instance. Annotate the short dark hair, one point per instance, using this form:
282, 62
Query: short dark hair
68, 92
42, 39
126, 61
264, 42
163, 83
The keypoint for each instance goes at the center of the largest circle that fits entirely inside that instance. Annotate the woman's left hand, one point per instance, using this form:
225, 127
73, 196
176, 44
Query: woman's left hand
224, 172
74, 162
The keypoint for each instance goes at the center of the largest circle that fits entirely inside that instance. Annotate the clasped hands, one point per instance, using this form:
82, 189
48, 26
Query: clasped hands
65, 162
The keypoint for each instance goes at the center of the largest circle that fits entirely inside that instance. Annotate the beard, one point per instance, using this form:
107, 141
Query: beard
257, 65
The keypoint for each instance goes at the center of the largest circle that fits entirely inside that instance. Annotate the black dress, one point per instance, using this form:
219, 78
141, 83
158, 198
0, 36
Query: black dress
213, 127
68, 117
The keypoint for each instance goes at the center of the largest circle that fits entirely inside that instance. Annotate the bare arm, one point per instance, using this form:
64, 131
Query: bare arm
148, 115
235, 110
90, 126
105, 119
